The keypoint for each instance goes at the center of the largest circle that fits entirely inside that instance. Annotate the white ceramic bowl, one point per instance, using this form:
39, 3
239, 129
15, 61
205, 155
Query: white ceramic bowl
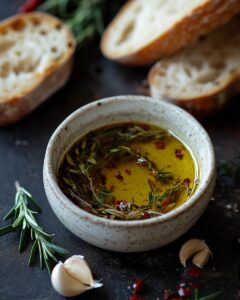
129, 236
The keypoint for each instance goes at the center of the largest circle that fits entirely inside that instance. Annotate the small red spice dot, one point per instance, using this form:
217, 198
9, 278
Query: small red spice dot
160, 145
119, 177
110, 165
167, 201
138, 285
186, 181
178, 153
145, 215
127, 171
121, 205
193, 271
183, 292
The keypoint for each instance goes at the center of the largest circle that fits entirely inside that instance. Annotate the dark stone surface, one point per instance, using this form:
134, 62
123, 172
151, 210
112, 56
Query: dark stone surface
95, 77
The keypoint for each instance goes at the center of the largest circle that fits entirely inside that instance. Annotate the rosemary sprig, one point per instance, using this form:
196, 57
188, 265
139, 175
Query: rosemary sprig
213, 296
84, 17
22, 214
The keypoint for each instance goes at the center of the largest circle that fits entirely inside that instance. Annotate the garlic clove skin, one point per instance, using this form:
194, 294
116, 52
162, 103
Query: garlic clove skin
64, 284
201, 258
190, 248
77, 268
73, 277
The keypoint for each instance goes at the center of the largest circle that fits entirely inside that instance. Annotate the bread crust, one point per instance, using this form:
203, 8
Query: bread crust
45, 84
206, 104
201, 20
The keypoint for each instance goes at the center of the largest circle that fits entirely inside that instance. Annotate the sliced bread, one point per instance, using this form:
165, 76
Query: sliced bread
145, 31
203, 76
36, 53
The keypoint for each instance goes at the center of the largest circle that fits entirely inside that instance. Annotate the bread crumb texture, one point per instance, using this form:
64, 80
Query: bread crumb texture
206, 67
30, 46
143, 23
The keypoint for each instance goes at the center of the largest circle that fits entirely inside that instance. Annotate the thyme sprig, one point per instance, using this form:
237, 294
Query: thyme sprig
24, 221
84, 17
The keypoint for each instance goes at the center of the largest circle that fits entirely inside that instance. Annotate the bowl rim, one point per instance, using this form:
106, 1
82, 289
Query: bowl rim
202, 188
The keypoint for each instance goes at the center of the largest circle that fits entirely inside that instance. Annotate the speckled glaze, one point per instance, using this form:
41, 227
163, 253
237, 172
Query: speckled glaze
130, 236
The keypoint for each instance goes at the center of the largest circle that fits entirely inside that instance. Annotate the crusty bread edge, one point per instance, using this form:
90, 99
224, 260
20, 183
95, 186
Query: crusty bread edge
207, 103
180, 35
57, 74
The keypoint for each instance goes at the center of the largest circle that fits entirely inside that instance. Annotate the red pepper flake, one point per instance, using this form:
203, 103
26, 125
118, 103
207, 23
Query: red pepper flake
138, 285
160, 145
110, 165
183, 292
29, 5
145, 215
193, 271
127, 171
178, 153
186, 181
121, 205
167, 201
119, 177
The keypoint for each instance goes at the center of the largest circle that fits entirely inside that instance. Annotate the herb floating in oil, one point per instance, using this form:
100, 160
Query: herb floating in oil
128, 171
24, 221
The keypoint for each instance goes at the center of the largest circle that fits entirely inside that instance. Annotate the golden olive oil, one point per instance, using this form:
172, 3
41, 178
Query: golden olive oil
128, 171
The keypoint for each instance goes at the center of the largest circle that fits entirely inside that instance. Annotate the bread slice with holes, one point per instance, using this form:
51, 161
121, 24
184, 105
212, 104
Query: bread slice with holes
145, 31
203, 76
36, 55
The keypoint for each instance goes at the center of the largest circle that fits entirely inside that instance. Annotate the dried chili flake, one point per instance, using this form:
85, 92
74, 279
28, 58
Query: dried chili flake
160, 145
110, 165
145, 215
127, 171
121, 205
138, 285
184, 292
29, 5
167, 201
119, 177
186, 181
178, 153
193, 271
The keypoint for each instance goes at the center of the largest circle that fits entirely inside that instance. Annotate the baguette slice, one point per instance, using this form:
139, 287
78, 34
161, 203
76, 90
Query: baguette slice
36, 55
145, 31
203, 76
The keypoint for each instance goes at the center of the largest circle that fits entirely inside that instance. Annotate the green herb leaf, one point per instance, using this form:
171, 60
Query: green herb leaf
7, 229
24, 220
213, 296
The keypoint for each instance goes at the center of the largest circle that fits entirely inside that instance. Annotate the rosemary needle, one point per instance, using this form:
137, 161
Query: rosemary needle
22, 214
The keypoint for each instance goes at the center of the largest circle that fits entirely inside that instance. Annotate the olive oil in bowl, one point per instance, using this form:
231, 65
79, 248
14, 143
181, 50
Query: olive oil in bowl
128, 171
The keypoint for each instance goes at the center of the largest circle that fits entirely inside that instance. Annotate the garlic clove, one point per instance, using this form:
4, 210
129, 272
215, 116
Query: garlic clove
190, 248
64, 284
77, 268
201, 258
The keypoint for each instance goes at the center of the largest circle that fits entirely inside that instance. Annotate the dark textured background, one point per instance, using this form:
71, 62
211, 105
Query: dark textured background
161, 268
